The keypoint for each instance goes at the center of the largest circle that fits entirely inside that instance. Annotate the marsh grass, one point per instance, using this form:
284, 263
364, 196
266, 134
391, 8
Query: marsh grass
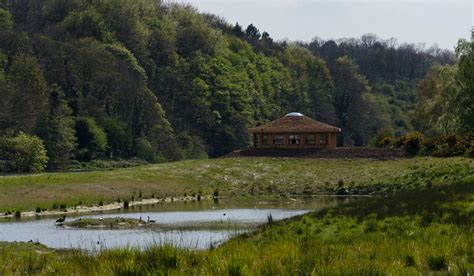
423, 231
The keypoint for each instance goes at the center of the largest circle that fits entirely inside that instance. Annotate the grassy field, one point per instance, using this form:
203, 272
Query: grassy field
231, 177
423, 231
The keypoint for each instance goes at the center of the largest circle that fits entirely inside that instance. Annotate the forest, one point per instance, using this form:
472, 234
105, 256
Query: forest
84, 80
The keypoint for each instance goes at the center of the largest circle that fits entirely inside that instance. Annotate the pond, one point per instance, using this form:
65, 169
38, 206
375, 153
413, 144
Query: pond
189, 224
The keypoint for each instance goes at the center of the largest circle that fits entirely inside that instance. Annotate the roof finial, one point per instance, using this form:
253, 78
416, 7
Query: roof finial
294, 114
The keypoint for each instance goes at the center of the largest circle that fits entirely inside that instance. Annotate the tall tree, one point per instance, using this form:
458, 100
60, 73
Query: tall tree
56, 129
465, 77
349, 103
27, 94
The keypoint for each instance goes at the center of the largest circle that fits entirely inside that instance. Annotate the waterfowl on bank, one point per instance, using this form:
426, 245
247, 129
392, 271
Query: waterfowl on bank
61, 219
151, 220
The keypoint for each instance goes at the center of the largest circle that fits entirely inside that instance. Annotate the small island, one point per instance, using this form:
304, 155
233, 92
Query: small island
109, 223
133, 223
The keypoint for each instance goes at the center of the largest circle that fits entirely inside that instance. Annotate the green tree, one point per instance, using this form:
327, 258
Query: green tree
56, 129
87, 23
464, 100
436, 104
349, 103
23, 153
6, 20
27, 96
252, 32
91, 139
119, 137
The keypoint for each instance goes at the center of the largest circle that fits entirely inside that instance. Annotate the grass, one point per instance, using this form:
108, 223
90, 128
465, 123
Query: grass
424, 231
106, 223
132, 223
230, 177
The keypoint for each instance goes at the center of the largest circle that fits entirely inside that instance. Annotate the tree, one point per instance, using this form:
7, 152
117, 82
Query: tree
266, 38
435, 112
465, 98
28, 95
237, 30
23, 153
119, 137
348, 102
57, 129
6, 20
252, 32
91, 139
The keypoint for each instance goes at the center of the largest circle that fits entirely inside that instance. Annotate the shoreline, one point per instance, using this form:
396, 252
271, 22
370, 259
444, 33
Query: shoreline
150, 201
104, 208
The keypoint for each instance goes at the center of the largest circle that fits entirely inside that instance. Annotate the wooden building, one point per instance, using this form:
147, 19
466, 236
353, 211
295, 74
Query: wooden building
294, 131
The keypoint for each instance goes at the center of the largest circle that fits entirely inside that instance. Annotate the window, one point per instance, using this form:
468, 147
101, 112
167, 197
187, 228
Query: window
294, 139
310, 140
279, 140
255, 140
265, 139
323, 139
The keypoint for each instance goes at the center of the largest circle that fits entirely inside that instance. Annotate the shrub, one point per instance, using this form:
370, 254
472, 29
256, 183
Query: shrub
23, 153
383, 134
470, 151
412, 143
385, 142
145, 150
399, 142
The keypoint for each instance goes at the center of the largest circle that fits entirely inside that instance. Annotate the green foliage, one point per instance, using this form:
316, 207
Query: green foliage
349, 103
22, 153
191, 84
87, 23
56, 129
119, 137
384, 136
145, 150
6, 20
26, 94
435, 112
464, 100
91, 139
413, 142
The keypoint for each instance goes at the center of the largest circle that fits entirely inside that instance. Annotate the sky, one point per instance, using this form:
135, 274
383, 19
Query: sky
422, 21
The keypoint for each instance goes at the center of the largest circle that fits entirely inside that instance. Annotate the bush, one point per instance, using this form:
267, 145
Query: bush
383, 134
23, 153
385, 142
412, 143
145, 150
450, 145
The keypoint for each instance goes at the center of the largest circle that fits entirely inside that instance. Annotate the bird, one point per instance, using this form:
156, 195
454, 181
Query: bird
224, 214
150, 220
61, 220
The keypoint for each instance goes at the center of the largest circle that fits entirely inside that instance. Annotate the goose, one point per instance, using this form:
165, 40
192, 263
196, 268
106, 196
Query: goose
150, 220
61, 220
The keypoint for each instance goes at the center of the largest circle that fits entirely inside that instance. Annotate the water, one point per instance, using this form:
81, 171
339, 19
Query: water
175, 216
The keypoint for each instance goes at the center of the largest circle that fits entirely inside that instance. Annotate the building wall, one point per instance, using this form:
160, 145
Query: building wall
331, 140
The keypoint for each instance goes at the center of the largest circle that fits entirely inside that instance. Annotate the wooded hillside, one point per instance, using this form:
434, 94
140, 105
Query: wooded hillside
122, 79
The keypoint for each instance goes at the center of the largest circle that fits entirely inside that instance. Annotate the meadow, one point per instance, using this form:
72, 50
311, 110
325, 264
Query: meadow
228, 177
429, 230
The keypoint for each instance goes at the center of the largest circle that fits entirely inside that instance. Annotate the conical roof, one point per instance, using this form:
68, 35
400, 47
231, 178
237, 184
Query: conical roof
295, 122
